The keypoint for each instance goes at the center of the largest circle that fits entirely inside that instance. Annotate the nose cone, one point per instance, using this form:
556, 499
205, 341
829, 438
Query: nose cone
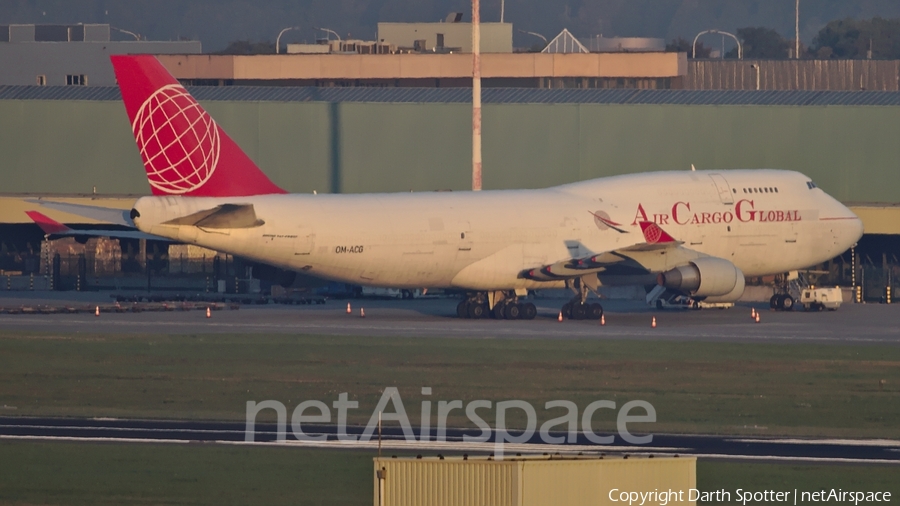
848, 229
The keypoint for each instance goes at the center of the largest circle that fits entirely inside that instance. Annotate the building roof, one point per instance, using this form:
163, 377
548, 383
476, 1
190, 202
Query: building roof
490, 95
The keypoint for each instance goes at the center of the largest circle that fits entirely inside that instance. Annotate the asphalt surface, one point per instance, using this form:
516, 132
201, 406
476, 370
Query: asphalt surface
857, 324
716, 447
852, 323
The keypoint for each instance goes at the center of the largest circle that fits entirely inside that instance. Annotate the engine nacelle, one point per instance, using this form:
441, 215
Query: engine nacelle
716, 279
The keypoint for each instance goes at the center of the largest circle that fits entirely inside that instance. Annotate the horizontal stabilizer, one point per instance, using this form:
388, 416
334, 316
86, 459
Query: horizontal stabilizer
221, 217
53, 227
108, 215
47, 224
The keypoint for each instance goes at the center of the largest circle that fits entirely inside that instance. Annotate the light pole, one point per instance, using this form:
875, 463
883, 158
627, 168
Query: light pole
503, 9
797, 31
278, 39
136, 36
476, 95
330, 31
739, 48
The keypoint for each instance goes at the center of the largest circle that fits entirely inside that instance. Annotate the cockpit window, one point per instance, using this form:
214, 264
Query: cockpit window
811, 185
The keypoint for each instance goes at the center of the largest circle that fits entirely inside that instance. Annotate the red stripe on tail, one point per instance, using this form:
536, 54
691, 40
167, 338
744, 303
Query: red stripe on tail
184, 151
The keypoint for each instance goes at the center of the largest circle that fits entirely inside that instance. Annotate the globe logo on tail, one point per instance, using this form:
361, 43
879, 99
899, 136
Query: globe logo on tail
178, 140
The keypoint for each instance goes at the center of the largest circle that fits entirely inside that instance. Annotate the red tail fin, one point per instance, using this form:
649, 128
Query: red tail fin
653, 234
184, 151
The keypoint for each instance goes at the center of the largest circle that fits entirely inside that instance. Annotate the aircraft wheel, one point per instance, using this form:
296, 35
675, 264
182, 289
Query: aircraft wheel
477, 311
462, 309
787, 303
499, 312
779, 302
773, 302
659, 304
579, 311
528, 311
567, 310
513, 311
595, 311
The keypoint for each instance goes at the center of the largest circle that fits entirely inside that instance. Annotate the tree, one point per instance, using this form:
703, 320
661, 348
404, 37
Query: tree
248, 47
852, 38
681, 45
760, 42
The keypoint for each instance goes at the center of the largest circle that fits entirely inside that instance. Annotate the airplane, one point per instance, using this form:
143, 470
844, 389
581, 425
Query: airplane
695, 233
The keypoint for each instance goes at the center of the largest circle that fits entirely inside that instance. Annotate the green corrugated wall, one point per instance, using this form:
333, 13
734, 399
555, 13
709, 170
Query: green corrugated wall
852, 152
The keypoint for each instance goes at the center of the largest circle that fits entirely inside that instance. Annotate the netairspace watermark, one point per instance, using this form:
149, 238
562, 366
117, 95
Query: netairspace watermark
318, 412
658, 497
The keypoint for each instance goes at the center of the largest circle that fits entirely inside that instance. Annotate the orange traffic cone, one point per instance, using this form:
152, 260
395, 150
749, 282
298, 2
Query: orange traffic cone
208, 312
603, 319
757, 318
362, 313
97, 311
348, 308
653, 322
753, 312
560, 317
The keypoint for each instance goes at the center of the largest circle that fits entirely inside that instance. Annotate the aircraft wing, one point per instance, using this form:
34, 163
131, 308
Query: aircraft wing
104, 214
658, 253
53, 227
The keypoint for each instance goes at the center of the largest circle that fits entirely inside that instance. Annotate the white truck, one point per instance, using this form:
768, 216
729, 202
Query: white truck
817, 299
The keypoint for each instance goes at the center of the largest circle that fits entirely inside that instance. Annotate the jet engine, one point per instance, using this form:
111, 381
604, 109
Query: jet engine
715, 279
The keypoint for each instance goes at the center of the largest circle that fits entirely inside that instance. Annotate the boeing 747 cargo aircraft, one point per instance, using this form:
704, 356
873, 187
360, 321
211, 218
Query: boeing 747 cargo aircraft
698, 233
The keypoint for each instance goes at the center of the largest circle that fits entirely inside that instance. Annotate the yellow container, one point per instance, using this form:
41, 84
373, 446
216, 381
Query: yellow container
532, 481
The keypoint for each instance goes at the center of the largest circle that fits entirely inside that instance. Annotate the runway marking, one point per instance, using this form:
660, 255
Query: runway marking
482, 447
96, 439
836, 442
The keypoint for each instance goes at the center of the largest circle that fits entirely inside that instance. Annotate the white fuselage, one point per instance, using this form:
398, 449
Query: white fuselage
485, 240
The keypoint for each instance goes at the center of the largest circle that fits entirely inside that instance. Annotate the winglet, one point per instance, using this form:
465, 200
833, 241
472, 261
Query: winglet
653, 234
47, 224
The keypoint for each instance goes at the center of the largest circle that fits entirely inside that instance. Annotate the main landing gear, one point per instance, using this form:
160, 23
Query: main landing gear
507, 307
578, 308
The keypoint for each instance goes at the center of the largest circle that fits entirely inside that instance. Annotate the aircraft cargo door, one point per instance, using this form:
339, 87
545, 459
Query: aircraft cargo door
306, 239
723, 188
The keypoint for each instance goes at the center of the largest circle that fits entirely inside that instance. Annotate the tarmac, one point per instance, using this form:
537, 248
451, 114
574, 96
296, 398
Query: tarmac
717, 447
856, 324
436, 318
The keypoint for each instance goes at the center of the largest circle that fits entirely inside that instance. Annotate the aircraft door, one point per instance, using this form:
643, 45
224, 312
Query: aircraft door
724, 189
305, 241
